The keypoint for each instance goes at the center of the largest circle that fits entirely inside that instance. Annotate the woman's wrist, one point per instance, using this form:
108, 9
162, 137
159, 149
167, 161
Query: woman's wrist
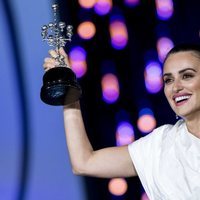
74, 105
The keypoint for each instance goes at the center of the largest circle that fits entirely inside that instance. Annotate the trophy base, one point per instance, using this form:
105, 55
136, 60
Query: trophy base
60, 87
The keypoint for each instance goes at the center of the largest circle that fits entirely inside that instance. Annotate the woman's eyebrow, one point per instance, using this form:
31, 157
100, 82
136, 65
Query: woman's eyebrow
180, 72
167, 74
183, 70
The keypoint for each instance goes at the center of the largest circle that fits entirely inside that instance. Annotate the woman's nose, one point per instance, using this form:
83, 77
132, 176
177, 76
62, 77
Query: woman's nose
177, 86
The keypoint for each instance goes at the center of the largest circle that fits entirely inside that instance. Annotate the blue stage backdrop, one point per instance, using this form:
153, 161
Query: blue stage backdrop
33, 156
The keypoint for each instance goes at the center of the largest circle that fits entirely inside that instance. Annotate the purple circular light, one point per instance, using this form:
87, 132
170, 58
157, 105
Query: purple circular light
119, 42
164, 9
77, 58
78, 53
110, 95
164, 44
153, 77
125, 133
145, 111
110, 88
118, 32
103, 7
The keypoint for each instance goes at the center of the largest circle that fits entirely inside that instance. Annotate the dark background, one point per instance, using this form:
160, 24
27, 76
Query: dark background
144, 28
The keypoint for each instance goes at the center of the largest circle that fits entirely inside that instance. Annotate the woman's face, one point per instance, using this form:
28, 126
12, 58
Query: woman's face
181, 75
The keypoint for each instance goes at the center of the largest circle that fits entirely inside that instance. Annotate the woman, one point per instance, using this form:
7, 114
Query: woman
167, 160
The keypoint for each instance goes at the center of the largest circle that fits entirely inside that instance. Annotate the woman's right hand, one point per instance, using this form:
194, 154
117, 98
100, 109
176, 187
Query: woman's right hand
51, 62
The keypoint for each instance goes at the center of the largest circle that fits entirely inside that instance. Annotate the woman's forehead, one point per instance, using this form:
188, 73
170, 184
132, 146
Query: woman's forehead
181, 60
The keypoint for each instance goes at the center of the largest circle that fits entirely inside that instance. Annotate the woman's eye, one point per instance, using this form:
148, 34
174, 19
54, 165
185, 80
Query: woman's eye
167, 80
186, 76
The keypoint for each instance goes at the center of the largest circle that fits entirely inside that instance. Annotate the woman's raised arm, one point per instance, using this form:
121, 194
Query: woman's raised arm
107, 162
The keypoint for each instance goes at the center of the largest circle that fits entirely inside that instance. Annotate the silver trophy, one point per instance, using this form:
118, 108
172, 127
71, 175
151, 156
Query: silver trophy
60, 86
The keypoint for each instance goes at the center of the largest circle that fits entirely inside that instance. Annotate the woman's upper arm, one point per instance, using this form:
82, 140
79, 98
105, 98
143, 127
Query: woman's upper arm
110, 162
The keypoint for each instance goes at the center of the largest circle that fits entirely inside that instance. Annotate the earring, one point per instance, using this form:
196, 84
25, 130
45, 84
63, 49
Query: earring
177, 116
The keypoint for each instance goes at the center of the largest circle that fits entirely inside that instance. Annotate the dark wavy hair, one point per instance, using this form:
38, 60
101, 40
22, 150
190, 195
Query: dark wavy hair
183, 48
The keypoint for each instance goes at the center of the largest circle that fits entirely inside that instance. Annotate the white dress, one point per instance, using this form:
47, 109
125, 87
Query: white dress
168, 163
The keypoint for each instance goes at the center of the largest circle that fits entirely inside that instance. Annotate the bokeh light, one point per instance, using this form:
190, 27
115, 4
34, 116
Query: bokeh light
124, 134
110, 88
103, 7
117, 186
87, 3
164, 9
164, 44
153, 77
145, 111
131, 3
86, 30
146, 121
118, 33
77, 58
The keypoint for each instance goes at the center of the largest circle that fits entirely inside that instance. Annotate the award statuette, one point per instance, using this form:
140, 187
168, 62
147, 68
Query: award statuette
60, 86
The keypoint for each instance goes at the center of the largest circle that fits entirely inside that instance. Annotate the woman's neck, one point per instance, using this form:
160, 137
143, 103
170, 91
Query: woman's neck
193, 126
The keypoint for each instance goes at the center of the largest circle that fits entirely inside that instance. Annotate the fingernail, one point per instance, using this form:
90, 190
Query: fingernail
57, 63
